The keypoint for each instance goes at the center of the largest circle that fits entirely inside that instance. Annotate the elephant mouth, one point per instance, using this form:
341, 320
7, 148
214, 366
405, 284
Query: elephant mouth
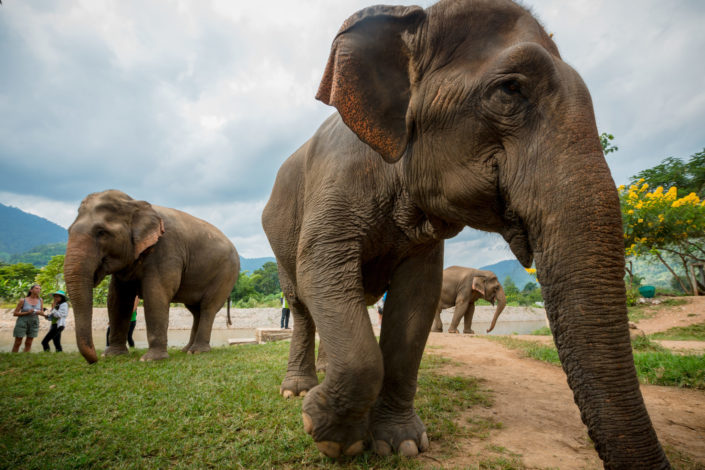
517, 236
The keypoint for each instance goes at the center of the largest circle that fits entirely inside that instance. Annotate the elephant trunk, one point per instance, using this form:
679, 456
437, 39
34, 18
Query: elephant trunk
580, 261
501, 303
80, 266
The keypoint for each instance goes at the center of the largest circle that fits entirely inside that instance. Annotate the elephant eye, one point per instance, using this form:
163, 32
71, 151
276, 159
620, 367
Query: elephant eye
511, 87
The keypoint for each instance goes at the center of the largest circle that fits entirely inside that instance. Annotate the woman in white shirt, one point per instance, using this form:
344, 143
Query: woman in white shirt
57, 316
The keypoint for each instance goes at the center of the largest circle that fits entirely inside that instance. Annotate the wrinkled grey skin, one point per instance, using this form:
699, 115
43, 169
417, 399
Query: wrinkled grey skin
461, 114
161, 254
462, 287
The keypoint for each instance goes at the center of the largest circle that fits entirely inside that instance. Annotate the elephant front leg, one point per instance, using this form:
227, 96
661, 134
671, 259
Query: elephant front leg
408, 314
121, 298
462, 304
301, 370
156, 315
336, 412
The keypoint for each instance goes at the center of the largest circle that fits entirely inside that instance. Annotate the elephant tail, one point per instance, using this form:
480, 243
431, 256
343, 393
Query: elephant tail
230, 323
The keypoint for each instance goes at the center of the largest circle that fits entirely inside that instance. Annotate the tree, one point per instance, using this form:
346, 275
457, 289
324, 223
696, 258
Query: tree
244, 287
606, 141
688, 177
529, 287
19, 271
267, 282
51, 276
663, 225
16, 280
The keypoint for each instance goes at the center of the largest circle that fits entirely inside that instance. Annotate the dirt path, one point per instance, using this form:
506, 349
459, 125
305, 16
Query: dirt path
540, 422
669, 317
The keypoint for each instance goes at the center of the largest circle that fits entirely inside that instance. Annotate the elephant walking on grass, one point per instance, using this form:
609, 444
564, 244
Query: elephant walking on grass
161, 254
460, 114
462, 287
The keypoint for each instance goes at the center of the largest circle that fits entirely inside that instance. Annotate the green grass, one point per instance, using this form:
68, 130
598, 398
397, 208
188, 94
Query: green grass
643, 311
654, 364
220, 409
683, 333
543, 331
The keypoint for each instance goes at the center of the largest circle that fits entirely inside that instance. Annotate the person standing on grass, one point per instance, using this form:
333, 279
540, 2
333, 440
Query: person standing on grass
57, 316
27, 324
285, 313
133, 323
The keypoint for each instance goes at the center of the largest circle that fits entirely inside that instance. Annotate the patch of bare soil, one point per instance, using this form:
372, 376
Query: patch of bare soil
540, 423
681, 315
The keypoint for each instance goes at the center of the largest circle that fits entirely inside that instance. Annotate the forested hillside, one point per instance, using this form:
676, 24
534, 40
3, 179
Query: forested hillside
20, 232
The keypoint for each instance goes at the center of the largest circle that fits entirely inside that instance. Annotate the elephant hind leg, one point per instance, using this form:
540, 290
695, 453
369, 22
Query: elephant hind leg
196, 312
203, 318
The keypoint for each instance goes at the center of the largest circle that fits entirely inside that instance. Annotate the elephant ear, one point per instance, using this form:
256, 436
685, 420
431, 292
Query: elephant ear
147, 227
367, 76
478, 285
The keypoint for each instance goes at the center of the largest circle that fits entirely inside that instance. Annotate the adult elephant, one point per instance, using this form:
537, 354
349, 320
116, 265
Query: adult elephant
461, 288
461, 114
161, 254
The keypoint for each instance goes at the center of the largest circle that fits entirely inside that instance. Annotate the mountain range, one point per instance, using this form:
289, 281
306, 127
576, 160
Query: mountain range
20, 232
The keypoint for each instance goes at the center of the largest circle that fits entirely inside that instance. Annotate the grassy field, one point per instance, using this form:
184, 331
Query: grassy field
654, 364
683, 333
216, 410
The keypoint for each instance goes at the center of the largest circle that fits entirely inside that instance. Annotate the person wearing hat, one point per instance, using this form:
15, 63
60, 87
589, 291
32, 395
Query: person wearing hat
57, 316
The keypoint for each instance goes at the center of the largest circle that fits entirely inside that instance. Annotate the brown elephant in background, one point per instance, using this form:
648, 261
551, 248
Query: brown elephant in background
161, 254
460, 114
461, 288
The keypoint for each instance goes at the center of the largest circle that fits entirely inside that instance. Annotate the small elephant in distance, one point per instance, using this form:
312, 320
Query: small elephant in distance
161, 254
462, 287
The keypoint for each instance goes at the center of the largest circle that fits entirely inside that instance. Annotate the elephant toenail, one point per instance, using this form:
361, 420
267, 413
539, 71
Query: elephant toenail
355, 449
408, 448
329, 449
308, 423
287, 394
303, 393
424, 443
383, 448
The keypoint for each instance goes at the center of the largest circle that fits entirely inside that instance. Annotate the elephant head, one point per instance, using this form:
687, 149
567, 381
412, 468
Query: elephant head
488, 287
490, 128
109, 234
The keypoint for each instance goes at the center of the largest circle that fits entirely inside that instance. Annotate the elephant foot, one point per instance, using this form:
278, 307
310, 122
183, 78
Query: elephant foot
321, 366
436, 330
297, 385
335, 435
468, 332
154, 355
453, 330
115, 351
197, 348
400, 432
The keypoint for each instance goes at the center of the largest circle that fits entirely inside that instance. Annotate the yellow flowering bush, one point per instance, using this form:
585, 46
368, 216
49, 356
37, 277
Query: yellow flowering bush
656, 221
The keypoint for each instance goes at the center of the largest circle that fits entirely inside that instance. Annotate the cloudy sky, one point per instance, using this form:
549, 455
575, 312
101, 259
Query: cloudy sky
195, 104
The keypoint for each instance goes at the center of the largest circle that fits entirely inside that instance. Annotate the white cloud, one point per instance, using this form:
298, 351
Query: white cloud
195, 105
61, 213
